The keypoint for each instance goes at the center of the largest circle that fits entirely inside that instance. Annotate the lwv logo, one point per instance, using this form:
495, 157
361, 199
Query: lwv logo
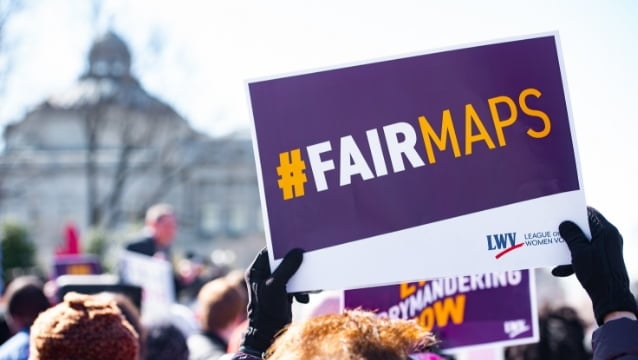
513, 328
501, 241
505, 242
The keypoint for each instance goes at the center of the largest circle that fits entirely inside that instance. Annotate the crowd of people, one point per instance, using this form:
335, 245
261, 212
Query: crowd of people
247, 315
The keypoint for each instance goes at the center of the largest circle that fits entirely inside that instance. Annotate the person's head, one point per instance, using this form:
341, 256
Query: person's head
353, 334
160, 218
132, 314
237, 279
83, 327
25, 300
219, 307
562, 336
166, 342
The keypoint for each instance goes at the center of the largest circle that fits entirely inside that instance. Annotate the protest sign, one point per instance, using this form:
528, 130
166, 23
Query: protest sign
447, 163
154, 275
492, 309
95, 284
76, 264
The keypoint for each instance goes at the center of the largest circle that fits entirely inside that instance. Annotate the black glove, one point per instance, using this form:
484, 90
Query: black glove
599, 265
269, 305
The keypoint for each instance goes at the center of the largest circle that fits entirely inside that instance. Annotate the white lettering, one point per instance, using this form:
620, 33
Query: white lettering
318, 166
377, 153
403, 305
514, 277
358, 166
464, 284
396, 147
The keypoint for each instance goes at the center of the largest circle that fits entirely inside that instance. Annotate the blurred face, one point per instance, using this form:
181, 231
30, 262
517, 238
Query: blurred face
164, 229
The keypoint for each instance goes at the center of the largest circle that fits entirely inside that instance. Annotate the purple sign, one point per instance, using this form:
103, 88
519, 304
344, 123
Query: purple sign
492, 308
355, 152
76, 265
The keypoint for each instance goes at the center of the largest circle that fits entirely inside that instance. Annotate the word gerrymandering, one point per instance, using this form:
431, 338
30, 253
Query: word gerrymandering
442, 301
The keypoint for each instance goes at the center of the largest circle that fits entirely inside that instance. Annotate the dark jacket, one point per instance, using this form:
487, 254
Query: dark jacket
145, 246
616, 339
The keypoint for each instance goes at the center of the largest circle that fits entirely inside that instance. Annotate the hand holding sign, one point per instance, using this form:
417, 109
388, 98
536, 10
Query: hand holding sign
484, 130
599, 265
269, 305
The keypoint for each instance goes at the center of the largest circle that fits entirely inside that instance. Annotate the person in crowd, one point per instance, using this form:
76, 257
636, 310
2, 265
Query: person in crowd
361, 334
219, 309
600, 268
598, 264
159, 233
562, 337
132, 314
5, 332
191, 270
83, 327
166, 342
236, 279
353, 334
157, 237
25, 300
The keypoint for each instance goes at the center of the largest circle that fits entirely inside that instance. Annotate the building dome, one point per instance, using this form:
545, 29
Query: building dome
109, 57
109, 83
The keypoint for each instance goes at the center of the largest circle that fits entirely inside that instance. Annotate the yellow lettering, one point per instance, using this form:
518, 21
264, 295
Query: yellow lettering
499, 123
79, 269
406, 290
547, 125
471, 117
449, 308
442, 311
426, 319
447, 130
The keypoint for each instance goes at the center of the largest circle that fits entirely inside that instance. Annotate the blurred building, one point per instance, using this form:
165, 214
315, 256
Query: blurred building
101, 152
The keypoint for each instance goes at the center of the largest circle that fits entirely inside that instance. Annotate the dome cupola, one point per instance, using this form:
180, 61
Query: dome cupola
109, 57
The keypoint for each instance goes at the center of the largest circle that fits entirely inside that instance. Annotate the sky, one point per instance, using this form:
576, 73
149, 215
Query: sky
198, 56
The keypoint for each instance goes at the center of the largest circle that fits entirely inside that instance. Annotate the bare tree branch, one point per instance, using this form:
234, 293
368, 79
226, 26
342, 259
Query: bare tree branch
8, 8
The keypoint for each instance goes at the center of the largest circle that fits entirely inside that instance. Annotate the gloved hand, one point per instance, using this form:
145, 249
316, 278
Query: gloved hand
599, 265
269, 305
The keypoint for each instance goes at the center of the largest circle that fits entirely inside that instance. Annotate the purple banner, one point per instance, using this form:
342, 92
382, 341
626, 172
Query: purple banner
76, 265
355, 152
462, 311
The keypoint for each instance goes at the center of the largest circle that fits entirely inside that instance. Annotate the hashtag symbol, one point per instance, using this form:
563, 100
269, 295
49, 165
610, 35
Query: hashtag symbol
291, 174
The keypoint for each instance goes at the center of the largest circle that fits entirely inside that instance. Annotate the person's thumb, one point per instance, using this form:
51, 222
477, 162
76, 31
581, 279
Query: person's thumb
303, 298
573, 235
287, 267
563, 270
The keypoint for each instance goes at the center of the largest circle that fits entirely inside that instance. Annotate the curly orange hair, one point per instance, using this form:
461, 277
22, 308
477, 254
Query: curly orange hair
354, 334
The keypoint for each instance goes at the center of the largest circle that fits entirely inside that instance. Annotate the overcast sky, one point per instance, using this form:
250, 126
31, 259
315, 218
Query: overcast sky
197, 55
